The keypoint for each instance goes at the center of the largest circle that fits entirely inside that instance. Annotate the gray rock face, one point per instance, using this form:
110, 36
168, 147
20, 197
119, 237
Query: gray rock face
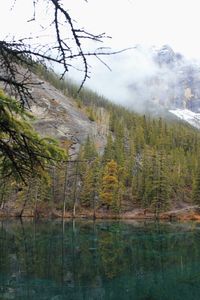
58, 116
182, 80
173, 83
165, 55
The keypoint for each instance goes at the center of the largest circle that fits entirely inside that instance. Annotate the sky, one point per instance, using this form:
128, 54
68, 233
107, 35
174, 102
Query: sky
129, 22
150, 22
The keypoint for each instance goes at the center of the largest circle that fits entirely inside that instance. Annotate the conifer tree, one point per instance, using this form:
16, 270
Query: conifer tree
109, 186
87, 154
196, 185
109, 149
146, 178
89, 150
161, 187
23, 153
90, 184
119, 144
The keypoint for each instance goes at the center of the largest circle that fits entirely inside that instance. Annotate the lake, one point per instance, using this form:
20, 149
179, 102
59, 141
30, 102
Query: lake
83, 260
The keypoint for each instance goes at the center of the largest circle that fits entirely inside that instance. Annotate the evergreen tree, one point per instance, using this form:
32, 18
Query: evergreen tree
90, 184
161, 187
87, 154
23, 153
146, 178
109, 186
89, 150
196, 185
109, 149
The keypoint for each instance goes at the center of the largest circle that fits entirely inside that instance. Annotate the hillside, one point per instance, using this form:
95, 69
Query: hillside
57, 115
120, 163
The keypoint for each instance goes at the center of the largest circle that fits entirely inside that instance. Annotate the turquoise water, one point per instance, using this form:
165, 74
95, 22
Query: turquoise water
83, 260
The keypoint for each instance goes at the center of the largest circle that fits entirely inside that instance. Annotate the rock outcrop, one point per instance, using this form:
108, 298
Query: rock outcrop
58, 116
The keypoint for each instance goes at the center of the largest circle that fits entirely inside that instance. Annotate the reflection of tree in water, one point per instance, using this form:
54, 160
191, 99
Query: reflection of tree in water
84, 260
111, 250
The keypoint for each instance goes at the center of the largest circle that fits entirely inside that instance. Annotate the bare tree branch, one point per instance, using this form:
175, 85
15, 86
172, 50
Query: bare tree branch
69, 44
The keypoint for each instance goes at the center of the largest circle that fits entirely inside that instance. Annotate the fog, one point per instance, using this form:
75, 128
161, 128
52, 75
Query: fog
140, 77
133, 78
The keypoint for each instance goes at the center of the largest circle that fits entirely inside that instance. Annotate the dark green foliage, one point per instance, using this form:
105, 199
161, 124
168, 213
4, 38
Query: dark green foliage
160, 184
90, 184
155, 159
90, 151
23, 153
196, 185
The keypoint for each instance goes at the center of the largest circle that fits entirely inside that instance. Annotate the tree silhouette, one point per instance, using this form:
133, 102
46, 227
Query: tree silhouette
69, 45
17, 60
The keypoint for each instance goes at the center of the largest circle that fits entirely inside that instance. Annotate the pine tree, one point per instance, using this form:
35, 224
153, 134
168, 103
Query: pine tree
161, 187
89, 150
110, 185
90, 184
146, 178
196, 185
119, 145
109, 149
87, 154
23, 153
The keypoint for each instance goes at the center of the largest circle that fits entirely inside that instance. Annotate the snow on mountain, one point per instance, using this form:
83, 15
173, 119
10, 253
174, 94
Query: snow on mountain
188, 116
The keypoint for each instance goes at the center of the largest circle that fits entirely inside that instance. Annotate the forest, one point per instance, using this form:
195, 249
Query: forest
149, 163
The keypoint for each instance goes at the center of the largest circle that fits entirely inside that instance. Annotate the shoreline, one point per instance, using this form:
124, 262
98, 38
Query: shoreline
189, 213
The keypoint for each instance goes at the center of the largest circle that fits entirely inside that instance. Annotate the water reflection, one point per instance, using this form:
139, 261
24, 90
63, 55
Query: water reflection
103, 260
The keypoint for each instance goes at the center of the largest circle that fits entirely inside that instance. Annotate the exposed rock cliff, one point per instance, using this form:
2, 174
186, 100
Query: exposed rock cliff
59, 116
174, 81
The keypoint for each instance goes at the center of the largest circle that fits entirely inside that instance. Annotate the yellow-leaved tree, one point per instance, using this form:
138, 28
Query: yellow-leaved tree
110, 186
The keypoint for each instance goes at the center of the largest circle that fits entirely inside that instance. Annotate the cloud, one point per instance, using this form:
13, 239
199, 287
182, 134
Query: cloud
143, 77
132, 79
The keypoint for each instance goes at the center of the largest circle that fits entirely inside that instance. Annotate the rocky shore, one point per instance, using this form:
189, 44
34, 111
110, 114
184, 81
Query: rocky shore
183, 214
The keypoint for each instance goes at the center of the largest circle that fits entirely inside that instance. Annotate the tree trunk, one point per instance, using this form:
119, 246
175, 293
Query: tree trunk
65, 190
36, 201
26, 200
75, 190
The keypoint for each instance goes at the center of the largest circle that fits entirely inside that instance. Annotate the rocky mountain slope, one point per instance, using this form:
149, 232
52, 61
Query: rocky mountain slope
147, 163
171, 83
59, 116
179, 78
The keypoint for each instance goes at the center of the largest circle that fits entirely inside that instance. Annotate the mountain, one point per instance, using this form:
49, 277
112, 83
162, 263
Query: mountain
58, 115
181, 79
182, 96
170, 82
188, 116
119, 163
